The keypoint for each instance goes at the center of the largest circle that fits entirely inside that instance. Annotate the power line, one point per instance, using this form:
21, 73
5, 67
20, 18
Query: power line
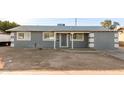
75, 21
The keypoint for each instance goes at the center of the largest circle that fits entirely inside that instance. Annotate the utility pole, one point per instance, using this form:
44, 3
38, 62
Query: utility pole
75, 21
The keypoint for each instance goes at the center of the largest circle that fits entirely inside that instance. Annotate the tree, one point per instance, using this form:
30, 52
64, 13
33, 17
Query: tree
4, 25
109, 24
114, 25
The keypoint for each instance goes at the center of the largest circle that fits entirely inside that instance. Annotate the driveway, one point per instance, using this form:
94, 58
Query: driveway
59, 59
118, 53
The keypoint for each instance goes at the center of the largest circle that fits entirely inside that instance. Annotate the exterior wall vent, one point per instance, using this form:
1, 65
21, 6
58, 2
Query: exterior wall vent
60, 24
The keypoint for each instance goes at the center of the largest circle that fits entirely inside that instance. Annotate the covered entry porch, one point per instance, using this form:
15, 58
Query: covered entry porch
71, 40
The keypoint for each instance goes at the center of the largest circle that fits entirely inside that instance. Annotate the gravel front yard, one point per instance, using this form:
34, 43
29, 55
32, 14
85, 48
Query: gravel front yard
59, 59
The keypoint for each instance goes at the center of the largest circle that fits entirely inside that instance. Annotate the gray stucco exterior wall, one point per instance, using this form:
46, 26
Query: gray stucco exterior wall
37, 42
104, 40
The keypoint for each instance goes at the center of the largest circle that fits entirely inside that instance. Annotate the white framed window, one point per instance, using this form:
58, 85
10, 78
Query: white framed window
48, 36
23, 35
77, 37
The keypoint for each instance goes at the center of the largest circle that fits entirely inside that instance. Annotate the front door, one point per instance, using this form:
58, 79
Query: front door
64, 40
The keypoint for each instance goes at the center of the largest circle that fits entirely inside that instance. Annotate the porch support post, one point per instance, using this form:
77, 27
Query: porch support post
72, 43
59, 40
54, 40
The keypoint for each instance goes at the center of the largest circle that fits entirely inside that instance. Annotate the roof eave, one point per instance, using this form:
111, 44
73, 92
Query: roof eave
63, 31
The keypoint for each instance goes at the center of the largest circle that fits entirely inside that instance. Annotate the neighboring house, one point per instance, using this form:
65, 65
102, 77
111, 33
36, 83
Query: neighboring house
4, 38
121, 36
62, 36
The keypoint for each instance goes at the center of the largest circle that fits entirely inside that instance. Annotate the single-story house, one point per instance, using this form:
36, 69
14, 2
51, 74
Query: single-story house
62, 36
121, 36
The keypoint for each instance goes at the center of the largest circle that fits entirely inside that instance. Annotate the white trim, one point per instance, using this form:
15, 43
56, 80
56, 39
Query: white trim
91, 45
91, 34
116, 40
91, 39
67, 40
116, 35
12, 44
18, 35
27, 36
48, 39
60, 40
54, 40
116, 45
73, 32
77, 40
72, 43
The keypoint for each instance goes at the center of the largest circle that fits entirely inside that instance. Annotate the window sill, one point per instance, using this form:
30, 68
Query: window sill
22, 40
48, 39
77, 40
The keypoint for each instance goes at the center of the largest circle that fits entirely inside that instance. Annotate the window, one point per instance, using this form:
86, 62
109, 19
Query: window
23, 35
57, 36
20, 35
78, 37
48, 36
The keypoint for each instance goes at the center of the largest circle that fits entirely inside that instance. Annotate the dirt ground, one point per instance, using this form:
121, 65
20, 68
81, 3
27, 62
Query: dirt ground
59, 59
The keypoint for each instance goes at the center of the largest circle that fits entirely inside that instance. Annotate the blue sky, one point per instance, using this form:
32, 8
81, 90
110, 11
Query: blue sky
66, 21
